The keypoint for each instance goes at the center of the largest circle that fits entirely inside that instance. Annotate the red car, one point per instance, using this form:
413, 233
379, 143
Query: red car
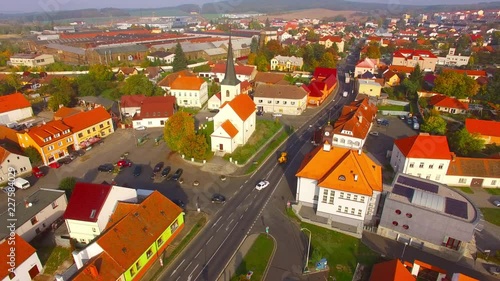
124, 163
37, 172
55, 165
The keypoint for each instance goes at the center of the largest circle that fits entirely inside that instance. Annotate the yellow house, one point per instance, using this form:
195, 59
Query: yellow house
391, 78
369, 87
89, 127
51, 140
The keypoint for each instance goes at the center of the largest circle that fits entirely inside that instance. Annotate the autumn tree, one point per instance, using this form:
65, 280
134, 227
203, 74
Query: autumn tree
140, 84
272, 49
464, 143
373, 51
451, 83
434, 124
312, 36
194, 146
61, 92
180, 61
251, 58
254, 45
328, 61
261, 62
99, 72
492, 90
177, 128
255, 25
14, 81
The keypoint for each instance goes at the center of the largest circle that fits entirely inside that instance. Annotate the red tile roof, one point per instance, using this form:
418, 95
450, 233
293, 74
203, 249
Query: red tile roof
87, 201
242, 105
187, 83
163, 108
409, 53
246, 70
424, 146
167, 81
38, 134
357, 118
474, 167
4, 153
229, 128
324, 72
100, 267
132, 100
23, 251
65, 112
13, 102
336, 39
444, 101
87, 119
401, 68
468, 72
483, 127
392, 270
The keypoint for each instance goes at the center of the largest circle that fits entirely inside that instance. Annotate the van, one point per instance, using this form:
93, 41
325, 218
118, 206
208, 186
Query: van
21, 183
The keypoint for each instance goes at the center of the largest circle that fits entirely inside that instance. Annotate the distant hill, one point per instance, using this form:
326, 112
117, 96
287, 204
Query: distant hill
73, 14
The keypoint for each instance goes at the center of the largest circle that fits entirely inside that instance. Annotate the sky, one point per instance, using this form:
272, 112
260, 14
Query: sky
20, 6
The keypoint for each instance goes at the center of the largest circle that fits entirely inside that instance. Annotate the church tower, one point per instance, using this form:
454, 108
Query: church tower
230, 85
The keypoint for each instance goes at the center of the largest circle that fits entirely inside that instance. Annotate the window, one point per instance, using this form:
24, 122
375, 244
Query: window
80, 135
101, 126
352, 211
348, 196
138, 266
292, 103
93, 229
438, 177
421, 165
359, 212
332, 196
412, 164
398, 212
54, 205
493, 182
227, 93
159, 241
441, 166
88, 131
342, 195
462, 180
428, 177
339, 209
33, 220
60, 143
69, 140
341, 178
132, 272
277, 102
346, 209
362, 199
355, 197
260, 101
93, 129
431, 166
325, 196
149, 253
269, 101
108, 122
315, 198
51, 147
174, 226
395, 223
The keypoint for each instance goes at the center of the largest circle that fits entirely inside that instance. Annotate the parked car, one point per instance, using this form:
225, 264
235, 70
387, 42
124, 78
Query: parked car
141, 128
77, 153
179, 203
373, 133
496, 203
124, 163
218, 198
37, 172
64, 160
55, 165
106, 168
177, 175
165, 171
261, 185
494, 270
158, 167
214, 111
137, 170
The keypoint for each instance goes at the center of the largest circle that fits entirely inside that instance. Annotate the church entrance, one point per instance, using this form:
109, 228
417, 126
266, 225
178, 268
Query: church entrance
221, 147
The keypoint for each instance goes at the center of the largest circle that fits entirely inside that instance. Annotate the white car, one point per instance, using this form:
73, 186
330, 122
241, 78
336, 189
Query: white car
277, 114
261, 185
141, 128
496, 203
373, 133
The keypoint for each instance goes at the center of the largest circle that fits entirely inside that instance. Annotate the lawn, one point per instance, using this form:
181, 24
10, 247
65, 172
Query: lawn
256, 259
391, 107
52, 258
491, 215
464, 189
264, 130
269, 149
493, 191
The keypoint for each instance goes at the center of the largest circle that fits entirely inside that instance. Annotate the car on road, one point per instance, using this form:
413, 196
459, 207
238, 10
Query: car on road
373, 133
106, 168
177, 175
402, 117
124, 163
496, 203
158, 167
77, 153
141, 128
260, 113
55, 165
137, 170
218, 198
384, 122
165, 171
262, 184
214, 111
37, 172
494, 270
64, 160
179, 203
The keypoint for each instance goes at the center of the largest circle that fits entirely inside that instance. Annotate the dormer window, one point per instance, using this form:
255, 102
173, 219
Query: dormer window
57, 135
341, 178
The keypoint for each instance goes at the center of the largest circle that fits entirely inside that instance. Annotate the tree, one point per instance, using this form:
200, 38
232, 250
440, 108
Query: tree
451, 83
255, 25
261, 62
33, 155
14, 81
213, 89
61, 92
87, 86
490, 93
435, 125
327, 61
416, 75
272, 49
251, 58
180, 60
100, 72
67, 184
464, 143
312, 36
57, 99
177, 128
373, 51
410, 88
268, 23
254, 45
140, 84
195, 146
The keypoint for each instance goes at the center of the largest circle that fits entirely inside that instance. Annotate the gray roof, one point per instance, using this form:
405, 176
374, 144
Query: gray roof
215, 51
188, 47
39, 200
121, 49
230, 75
428, 200
69, 49
278, 91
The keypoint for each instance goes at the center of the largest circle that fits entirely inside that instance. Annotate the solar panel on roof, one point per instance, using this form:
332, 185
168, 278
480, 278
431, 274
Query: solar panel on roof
418, 184
403, 191
456, 208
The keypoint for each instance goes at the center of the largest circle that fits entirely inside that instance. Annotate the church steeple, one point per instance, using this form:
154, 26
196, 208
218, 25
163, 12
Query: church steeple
230, 75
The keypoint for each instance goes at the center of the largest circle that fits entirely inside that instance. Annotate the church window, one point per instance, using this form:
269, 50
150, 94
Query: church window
227, 93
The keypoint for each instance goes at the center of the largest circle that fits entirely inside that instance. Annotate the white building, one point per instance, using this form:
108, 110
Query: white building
26, 266
35, 213
366, 65
31, 60
218, 72
189, 91
154, 112
90, 207
9, 160
161, 56
13, 108
341, 185
285, 63
453, 59
285, 99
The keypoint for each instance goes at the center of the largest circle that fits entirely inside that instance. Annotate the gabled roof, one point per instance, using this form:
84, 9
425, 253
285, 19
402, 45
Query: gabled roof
483, 127
444, 101
468, 72
392, 270
342, 169
269, 78
13, 102
242, 105
38, 134
127, 70
229, 128
424, 146
389, 74
332, 38
65, 112
23, 251
474, 167
367, 63
356, 118
87, 119
87, 201
401, 69
100, 267
132, 100
409, 54
324, 72
239, 69
187, 83
4, 153
167, 81
279, 91
162, 108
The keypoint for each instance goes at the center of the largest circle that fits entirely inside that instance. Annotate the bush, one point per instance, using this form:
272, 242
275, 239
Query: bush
67, 184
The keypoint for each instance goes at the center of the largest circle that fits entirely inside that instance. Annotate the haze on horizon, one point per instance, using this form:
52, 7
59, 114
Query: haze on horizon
27, 6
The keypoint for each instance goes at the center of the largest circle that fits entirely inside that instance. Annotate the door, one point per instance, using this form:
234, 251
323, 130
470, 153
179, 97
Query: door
476, 183
34, 271
221, 147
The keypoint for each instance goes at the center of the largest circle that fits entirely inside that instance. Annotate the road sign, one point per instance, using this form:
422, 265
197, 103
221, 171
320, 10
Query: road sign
267, 229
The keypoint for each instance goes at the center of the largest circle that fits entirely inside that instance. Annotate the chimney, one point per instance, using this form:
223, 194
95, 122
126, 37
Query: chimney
359, 151
453, 157
355, 177
92, 271
360, 119
326, 146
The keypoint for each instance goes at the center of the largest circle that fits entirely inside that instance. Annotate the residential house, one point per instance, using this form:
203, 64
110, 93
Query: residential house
428, 215
451, 105
91, 102
370, 87
90, 208
131, 104
218, 72
328, 42
322, 84
89, 127
167, 81
486, 129
64, 112
406, 70
26, 264
233, 124
12, 161
53, 140
35, 213
270, 78
162, 57
341, 186
285, 99
189, 91
13, 108
392, 270
453, 59
31, 60
285, 63
127, 71
473, 172
410, 58
391, 78
366, 65
153, 73
154, 112
474, 74
136, 237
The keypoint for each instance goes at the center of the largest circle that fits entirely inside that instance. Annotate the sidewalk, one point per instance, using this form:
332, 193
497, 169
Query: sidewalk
237, 258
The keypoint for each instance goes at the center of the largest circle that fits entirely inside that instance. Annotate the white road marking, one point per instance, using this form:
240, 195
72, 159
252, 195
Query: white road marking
219, 227
178, 278
177, 267
188, 265
194, 270
241, 216
198, 254
209, 239
216, 222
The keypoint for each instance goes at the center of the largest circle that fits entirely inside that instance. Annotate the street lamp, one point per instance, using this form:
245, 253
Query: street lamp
404, 248
308, 248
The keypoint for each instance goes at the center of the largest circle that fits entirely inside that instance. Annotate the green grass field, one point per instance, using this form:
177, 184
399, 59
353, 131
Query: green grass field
492, 215
493, 191
256, 259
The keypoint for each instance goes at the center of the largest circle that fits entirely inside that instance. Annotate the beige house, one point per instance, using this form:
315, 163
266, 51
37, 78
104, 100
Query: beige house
285, 63
369, 87
329, 41
9, 160
410, 58
31, 60
285, 99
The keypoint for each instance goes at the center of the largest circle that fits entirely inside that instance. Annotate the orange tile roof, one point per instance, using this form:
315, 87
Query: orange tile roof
474, 167
23, 251
4, 153
483, 127
243, 105
401, 68
38, 134
392, 270
167, 81
468, 72
87, 119
13, 102
239, 69
127, 70
444, 101
351, 115
229, 128
122, 209
187, 83
65, 112
100, 267
9, 134
327, 166
424, 146
126, 240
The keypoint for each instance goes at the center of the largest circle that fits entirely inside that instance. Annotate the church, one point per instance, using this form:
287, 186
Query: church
235, 121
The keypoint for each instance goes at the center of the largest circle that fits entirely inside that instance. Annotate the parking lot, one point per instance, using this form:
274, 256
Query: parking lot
147, 155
